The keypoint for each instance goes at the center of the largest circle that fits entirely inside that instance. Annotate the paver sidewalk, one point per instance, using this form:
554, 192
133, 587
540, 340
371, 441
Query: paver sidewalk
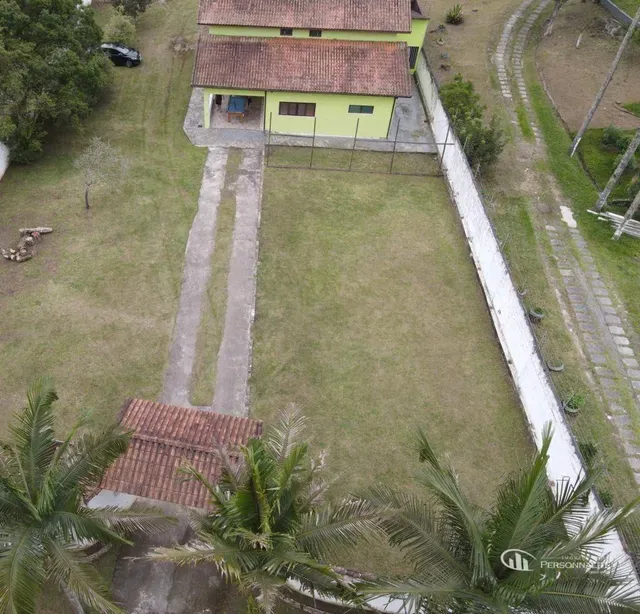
600, 323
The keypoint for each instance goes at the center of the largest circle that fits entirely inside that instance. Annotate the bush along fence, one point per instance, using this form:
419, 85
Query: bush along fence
540, 402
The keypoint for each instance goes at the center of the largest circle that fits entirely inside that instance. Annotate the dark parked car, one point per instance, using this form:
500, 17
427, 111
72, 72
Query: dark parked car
121, 55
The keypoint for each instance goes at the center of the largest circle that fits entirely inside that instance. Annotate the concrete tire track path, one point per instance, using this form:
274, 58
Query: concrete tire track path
234, 357
195, 278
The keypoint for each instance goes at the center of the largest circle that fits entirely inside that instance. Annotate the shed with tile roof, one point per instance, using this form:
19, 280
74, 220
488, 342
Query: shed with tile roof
164, 437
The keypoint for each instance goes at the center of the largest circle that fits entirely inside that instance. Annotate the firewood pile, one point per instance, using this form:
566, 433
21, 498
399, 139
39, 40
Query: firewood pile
25, 248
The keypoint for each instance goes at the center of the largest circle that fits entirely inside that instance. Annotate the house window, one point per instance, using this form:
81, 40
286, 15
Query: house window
286, 31
413, 56
315, 33
302, 109
360, 108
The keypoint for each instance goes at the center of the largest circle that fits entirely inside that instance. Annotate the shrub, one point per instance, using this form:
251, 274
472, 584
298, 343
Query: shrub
454, 15
576, 401
614, 138
606, 498
482, 142
120, 29
132, 8
589, 452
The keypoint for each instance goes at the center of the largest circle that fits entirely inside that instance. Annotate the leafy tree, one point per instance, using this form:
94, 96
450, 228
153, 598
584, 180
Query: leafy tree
455, 547
120, 29
48, 73
101, 164
483, 143
132, 8
269, 523
44, 522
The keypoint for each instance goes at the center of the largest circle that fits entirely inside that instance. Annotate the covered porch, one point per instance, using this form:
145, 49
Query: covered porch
240, 110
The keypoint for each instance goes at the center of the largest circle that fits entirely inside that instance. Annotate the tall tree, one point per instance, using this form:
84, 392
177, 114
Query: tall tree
457, 549
268, 522
599, 96
620, 169
44, 524
49, 71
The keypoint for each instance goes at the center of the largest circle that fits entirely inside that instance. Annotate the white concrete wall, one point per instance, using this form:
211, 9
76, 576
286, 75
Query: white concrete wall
541, 406
4, 159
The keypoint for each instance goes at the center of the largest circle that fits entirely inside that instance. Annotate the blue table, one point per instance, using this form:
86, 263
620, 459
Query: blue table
236, 106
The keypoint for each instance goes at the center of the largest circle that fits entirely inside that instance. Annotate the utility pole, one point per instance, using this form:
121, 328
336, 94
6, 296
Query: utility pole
624, 162
605, 85
627, 216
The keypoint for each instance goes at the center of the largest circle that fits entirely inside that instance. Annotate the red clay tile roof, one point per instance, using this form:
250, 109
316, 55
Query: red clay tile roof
165, 436
368, 15
302, 65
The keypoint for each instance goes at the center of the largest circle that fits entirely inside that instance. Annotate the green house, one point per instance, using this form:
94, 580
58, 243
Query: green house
303, 67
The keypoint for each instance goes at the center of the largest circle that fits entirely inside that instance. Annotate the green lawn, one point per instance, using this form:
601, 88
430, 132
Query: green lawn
370, 318
628, 6
601, 163
95, 308
634, 107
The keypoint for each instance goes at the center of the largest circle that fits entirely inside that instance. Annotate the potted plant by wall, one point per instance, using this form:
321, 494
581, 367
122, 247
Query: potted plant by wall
557, 366
574, 403
536, 314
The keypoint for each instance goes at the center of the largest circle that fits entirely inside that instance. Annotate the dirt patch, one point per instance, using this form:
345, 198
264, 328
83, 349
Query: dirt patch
468, 47
574, 76
181, 45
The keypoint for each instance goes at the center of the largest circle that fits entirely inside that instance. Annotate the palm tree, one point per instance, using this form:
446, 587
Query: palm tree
268, 523
44, 524
459, 555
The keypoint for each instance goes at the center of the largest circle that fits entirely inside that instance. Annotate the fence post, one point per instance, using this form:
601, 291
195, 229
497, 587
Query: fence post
269, 137
393, 153
444, 146
313, 141
355, 136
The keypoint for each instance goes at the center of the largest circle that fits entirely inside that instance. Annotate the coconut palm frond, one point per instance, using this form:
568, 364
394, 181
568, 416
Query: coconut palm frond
70, 569
286, 433
231, 470
420, 595
593, 533
413, 525
522, 504
22, 572
570, 506
15, 502
584, 591
148, 520
337, 527
33, 433
465, 519
267, 586
42, 512
232, 561
79, 525
86, 461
